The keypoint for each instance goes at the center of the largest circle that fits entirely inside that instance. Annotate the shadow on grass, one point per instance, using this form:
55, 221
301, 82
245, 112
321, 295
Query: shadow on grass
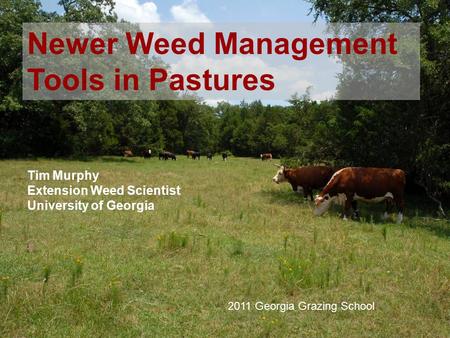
284, 197
420, 212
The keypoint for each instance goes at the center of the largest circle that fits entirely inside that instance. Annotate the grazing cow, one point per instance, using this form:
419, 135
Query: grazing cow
209, 155
308, 178
196, 155
266, 156
127, 153
365, 184
168, 154
224, 156
147, 153
189, 153
165, 155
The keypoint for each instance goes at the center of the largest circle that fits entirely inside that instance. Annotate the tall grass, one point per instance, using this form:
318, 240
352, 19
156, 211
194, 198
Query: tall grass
233, 235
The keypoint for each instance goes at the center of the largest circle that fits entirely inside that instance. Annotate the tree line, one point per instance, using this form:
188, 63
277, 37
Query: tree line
412, 135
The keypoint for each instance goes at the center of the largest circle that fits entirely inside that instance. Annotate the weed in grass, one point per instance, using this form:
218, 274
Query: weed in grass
384, 232
47, 271
304, 273
209, 250
4, 284
25, 232
76, 271
172, 241
285, 242
226, 272
351, 256
241, 215
194, 241
114, 295
338, 274
364, 286
237, 248
199, 202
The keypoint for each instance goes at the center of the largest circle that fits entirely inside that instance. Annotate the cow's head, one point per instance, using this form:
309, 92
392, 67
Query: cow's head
279, 176
322, 203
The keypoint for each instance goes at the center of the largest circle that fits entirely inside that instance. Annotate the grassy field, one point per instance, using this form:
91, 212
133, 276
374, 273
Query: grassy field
233, 235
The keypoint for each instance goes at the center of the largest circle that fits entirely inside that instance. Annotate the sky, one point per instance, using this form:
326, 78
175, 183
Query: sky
206, 10
216, 11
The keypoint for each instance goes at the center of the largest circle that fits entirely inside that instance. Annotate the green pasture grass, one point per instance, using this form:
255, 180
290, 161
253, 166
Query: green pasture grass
233, 235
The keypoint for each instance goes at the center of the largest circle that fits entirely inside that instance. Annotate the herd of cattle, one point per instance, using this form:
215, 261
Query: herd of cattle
166, 155
343, 186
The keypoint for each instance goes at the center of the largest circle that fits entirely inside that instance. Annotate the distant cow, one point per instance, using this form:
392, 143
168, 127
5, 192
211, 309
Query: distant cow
189, 153
196, 155
170, 155
266, 156
127, 153
165, 155
209, 155
365, 184
147, 153
308, 178
224, 156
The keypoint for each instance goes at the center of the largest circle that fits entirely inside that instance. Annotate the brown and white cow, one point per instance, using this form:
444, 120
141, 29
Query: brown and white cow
189, 153
366, 184
127, 153
266, 156
308, 178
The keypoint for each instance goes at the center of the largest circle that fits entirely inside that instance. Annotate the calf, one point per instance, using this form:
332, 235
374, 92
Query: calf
308, 178
224, 156
366, 184
189, 153
195, 155
266, 156
209, 155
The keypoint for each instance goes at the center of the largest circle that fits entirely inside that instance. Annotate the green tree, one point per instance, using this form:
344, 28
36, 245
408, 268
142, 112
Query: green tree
411, 135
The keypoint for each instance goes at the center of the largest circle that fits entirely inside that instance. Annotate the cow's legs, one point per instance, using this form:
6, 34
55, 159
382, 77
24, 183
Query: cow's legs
347, 206
355, 209
389, 202
400, 204
307, 192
